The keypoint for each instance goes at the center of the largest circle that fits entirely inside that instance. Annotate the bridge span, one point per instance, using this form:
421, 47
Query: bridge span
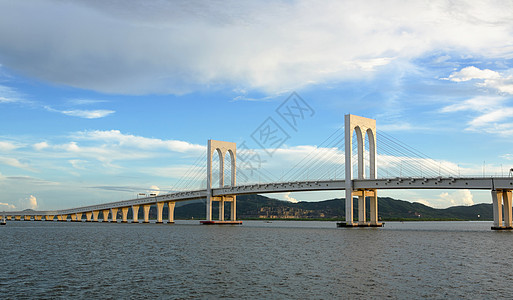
361, 187
107, 210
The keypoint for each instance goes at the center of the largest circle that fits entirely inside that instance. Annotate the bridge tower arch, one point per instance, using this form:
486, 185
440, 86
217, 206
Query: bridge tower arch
363, 127
222, 149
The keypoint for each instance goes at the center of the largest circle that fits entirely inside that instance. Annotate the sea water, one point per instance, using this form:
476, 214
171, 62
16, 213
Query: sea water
256, 260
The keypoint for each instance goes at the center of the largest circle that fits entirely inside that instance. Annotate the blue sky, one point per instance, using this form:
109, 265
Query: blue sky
101, 100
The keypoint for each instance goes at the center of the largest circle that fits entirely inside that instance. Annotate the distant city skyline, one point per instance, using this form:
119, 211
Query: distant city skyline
100, 101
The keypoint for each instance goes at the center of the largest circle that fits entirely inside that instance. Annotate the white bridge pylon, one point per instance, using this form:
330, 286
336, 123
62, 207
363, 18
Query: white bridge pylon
363, 127
221, 149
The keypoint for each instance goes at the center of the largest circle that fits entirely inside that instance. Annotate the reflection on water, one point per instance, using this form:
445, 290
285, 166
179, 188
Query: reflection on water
282, 259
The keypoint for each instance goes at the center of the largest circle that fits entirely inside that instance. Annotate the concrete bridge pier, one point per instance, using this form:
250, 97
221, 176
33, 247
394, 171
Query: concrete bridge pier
38, 218
160, 209
26, 218
89, 214
502, 207
374, 220
124, 213
114, 215
79, 217
233, 209
171, 212
9, 218
221, 209
73, 217
135, 213
49, 218
95, 215
17, 218
146, 209
362, 220
105, 214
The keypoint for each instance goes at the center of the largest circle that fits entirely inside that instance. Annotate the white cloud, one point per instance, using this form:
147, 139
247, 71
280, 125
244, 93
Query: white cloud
84, 101
7, 205
460, 197
13, 162
7, 146
479, 104
507, 156
290, 199
77, 163
27, 180
40, 146
32, 202
128, 140
503, 83
446, 199
401, 126
154, 190
472, 72
493, 115
86, 114
9, 95
178, 172
85, 148
134, 47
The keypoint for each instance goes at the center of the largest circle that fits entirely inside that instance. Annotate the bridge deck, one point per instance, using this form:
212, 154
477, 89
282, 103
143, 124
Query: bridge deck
475, 183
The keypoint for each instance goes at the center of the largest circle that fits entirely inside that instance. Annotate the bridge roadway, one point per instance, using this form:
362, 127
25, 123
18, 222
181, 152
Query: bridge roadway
474, 183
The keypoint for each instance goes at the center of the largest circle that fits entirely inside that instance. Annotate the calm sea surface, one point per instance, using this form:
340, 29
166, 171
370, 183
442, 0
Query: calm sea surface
313, 260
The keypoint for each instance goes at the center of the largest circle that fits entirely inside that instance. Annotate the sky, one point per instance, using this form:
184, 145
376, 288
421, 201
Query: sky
103, 100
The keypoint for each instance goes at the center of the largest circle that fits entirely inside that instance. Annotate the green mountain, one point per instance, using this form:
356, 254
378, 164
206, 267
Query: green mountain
257, 206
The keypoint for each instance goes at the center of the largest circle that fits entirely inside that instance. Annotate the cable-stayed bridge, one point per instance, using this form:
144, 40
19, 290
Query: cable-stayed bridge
353, 150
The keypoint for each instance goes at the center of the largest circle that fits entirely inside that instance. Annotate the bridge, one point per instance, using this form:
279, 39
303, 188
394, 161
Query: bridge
361, 187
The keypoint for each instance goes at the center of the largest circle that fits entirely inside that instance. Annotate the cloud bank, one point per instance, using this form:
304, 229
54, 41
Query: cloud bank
134, 47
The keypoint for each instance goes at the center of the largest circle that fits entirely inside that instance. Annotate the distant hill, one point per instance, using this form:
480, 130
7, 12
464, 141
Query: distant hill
257, 206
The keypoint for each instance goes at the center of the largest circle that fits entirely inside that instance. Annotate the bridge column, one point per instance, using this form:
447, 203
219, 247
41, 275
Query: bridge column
124, 213
113, 214
79, 217
17, 218
374, 210
73, 217
105, 213
64, 218
171, 212
38, 218
361, 209
209, 209
221, 209
49, 218
506, 196
95, 215
233, 208
135, 213
26, 218
160, 208
146, 209
9, 218
497, 209
89, 214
